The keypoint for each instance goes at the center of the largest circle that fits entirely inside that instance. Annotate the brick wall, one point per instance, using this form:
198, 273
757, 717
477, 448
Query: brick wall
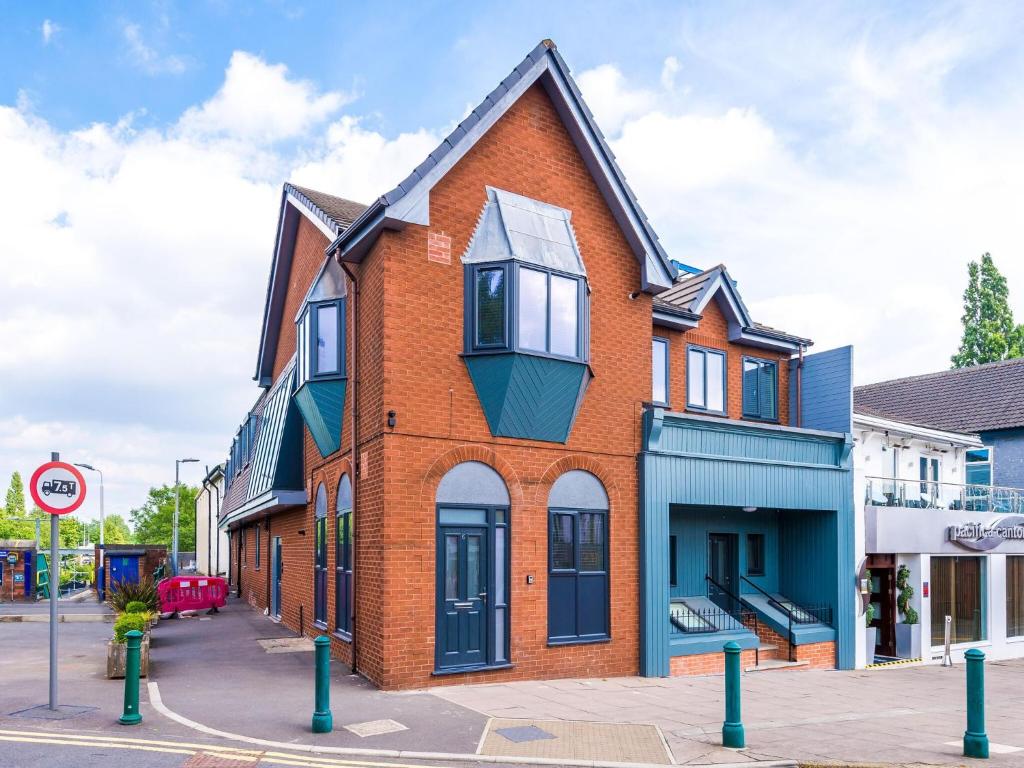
817, 655
713, 332
705, 663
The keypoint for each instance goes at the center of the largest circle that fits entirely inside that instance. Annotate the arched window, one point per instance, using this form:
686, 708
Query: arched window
578, 596
343, 595
472, 568
320, 558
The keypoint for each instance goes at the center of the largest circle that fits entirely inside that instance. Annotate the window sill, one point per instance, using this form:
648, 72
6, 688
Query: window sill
577, 641
705, 411
760, 420
529, 352
345, 637
320, 624
474, 668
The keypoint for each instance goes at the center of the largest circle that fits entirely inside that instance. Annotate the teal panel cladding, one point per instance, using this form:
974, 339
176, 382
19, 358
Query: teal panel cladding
798, 479
528, 396
827, 391
321, 404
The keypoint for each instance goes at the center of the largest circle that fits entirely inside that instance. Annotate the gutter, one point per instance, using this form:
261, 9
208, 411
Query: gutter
355, 447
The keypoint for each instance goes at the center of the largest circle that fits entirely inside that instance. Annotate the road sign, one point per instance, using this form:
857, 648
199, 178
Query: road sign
57, 488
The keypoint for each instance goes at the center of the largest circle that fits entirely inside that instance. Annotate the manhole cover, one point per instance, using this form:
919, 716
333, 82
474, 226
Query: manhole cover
375, 727
43, 712
521, 733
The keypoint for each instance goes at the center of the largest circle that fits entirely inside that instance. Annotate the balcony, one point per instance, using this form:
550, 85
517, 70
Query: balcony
930, 494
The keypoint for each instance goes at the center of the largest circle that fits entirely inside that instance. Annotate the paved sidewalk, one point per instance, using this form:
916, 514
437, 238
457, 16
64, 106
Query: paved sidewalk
903, 715
213, 670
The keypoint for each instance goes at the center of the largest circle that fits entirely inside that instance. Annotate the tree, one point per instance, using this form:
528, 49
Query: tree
153, 521
115, 530
990, 333
15, 506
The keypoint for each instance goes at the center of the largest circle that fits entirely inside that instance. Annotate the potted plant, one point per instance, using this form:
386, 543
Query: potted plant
117, 649
908, 634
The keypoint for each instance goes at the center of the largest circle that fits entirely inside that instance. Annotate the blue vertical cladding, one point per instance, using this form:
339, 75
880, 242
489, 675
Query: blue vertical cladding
827, 390
1008, 456
691, 526
688, 460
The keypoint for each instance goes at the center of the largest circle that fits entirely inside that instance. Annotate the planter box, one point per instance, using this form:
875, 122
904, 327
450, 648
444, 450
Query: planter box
908, 641
117, 657
871, 634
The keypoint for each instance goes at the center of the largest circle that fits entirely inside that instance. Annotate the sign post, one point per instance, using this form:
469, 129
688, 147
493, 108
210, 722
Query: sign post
57, 488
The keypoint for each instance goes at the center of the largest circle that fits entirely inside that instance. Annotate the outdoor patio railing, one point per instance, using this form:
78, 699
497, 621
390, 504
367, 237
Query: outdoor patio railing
932, 494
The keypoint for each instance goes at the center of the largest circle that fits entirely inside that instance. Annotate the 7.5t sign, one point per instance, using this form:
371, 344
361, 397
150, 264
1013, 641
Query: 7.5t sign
57, 488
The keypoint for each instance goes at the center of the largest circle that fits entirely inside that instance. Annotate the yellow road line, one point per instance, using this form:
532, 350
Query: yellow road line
190, 748
76, 743
127, 740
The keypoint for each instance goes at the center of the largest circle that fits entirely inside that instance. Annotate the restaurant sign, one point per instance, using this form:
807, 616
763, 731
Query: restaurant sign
983, 537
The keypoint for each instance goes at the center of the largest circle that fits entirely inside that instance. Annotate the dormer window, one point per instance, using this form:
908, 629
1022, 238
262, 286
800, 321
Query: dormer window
320, 329
525, 281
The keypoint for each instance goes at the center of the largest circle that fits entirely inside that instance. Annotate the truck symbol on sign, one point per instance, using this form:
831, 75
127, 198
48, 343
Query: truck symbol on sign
67, 487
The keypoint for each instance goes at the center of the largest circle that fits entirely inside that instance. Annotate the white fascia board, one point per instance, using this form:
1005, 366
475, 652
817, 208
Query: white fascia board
754, 339
669, 320
329, 232
264, 503
903, 429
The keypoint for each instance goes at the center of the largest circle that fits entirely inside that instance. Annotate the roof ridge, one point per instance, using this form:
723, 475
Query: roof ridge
951, 372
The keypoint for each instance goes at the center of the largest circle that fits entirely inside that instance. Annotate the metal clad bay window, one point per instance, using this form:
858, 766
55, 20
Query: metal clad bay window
705, 379
533, 310
328, 350
760, 389
659, 370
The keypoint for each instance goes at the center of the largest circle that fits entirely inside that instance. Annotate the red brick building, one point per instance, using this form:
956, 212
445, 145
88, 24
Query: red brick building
441, 471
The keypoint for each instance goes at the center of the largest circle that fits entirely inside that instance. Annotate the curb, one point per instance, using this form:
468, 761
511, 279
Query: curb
70, 618
157, 703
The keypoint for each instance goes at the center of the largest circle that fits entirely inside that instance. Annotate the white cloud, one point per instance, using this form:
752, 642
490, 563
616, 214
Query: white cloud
49, 30
148, 58
259, 103
857, 228
135, 267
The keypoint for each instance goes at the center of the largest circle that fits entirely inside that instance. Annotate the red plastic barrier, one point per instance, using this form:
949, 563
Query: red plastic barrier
192, 593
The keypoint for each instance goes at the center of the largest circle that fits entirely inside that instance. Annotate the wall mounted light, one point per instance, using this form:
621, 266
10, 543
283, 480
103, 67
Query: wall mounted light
750, 509
391, 419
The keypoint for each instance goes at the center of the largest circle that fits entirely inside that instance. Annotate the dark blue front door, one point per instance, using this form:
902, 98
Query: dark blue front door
124, 569
462, 579
275, 570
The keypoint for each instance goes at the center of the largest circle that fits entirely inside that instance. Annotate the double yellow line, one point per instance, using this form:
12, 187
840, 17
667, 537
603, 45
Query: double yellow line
252, 756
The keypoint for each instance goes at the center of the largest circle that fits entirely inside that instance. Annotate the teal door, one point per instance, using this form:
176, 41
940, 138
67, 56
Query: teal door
462, 578
275, 571
723, 568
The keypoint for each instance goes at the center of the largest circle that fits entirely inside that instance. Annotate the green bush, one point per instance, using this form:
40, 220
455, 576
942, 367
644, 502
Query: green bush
136, 606
124, 592
125, 623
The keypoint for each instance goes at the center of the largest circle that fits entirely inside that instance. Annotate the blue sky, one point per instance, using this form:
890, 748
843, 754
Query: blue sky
844, 160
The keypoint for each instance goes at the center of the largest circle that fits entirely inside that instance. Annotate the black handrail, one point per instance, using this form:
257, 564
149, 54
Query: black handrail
738, 604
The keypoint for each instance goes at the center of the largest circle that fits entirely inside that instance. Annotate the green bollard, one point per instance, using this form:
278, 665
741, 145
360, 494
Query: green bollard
975, 738
323, 720
131, 715
732, 729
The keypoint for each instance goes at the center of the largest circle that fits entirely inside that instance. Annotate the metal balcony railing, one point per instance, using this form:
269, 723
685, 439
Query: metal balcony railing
931, 494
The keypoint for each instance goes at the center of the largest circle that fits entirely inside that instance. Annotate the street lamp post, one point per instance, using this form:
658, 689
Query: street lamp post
91, 468
177, 504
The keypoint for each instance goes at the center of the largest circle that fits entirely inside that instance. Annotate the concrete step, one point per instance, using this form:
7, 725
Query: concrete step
768, 665
766, 647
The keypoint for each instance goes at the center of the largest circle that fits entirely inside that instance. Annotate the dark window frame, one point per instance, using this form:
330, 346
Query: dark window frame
673, 560
725, 379
576, 570
758, 414
308, 348
256, 554
663, 340
511, 342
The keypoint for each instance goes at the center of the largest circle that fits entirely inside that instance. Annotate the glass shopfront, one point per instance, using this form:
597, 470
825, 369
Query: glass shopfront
958, 591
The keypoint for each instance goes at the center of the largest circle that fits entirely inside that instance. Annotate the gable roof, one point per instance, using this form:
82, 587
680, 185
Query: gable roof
682, 307
331, 215
408, 203
976, 399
